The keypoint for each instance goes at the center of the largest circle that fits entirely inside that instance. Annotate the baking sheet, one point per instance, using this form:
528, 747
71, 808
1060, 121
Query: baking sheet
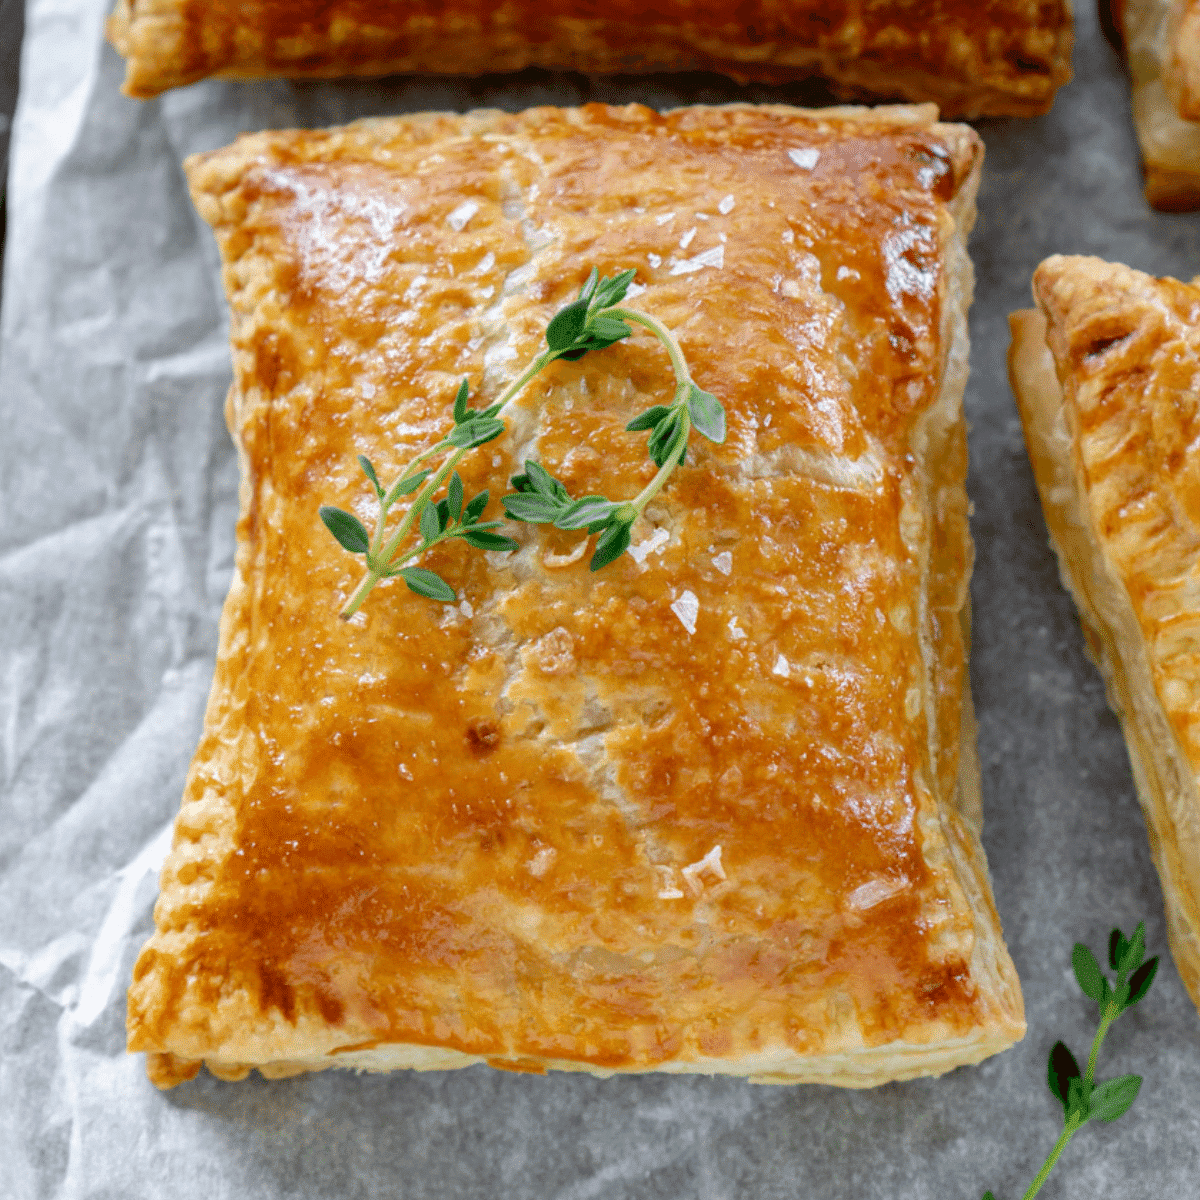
116, 545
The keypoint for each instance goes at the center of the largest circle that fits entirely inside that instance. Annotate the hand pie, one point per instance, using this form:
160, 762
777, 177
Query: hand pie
714, 808
971, 57
1162, 40
1107, 377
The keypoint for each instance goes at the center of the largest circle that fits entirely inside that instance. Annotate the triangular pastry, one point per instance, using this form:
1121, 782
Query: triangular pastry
1107, 376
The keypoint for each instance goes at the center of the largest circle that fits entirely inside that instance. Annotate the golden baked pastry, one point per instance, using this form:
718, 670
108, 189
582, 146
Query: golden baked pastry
714, 808
1107, 377
1182, 67
971, 57
1162, 41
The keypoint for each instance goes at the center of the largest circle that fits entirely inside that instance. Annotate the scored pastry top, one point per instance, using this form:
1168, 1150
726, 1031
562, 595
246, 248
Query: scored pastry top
700, 807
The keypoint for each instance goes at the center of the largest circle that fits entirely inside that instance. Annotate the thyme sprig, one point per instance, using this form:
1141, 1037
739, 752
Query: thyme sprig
540, 499
1083, 1099
594, 320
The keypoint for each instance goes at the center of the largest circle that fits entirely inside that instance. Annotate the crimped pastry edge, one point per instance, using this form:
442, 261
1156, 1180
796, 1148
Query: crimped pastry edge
870, 1067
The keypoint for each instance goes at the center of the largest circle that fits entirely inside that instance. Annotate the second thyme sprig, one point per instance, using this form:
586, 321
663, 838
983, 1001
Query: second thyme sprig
1081, 1097
594, 320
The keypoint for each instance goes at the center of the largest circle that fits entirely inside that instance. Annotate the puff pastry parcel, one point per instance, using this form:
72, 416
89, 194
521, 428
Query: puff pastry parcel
714, 808
1107, 376
971, 57
1162, 40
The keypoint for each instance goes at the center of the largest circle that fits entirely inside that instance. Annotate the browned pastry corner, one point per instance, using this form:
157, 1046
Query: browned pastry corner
714, 808
1161, 39
970, 57
1107, 377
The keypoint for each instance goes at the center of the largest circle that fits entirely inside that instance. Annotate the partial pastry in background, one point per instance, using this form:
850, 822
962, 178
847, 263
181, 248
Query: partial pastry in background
970, 57
1107, 377
712, 809
1182, 72
1162, 43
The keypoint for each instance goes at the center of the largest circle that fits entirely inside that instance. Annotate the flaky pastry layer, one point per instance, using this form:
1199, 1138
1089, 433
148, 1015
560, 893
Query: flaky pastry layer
1107, 377
988, 57
1162, 42
714, 808
1181, 68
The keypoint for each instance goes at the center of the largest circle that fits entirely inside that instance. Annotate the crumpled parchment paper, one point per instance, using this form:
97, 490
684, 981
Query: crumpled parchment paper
118, 486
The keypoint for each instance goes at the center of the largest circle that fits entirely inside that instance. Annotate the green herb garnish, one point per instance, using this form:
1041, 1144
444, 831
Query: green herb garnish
594, 320
1083, 1099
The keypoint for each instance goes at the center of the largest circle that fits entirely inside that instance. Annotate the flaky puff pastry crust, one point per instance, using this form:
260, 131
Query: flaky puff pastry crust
1182, 67
1107, 377
714, 808
1162, 43
970, 57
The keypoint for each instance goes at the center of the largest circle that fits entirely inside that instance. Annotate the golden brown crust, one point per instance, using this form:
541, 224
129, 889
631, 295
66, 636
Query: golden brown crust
1162, 42
1171, 190
1107, 377
710, 809
1182, 65
970, 57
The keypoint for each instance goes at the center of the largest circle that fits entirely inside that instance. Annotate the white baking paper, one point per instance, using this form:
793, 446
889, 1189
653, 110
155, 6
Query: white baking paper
118, 486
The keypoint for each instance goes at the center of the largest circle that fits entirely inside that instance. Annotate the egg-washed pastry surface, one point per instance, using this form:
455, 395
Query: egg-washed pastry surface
1107, 376
971, 57
713, 808
1162, 42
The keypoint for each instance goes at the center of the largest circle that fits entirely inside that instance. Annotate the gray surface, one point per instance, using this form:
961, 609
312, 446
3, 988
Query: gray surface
118, 487
12, 20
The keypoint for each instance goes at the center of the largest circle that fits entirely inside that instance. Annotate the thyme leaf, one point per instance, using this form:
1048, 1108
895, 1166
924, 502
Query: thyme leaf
594, 320
1081, 1097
